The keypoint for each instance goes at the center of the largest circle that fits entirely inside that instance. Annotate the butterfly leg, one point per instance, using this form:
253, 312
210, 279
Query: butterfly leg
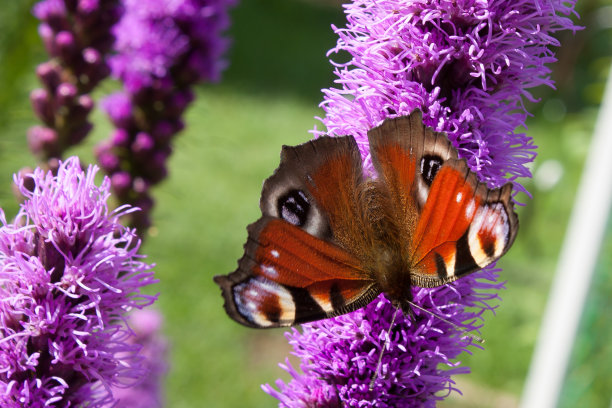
405, 302
406, 307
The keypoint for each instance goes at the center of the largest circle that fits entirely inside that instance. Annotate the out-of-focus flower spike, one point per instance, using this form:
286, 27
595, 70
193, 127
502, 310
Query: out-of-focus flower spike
163, 47
77, 36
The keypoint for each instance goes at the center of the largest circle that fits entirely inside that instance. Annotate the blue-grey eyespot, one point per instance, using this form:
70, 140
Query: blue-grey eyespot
294, 207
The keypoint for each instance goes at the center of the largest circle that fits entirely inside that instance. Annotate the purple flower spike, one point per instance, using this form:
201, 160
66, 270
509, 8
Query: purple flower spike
158, 37
77, 38
118, 106
68, 274
467, 66
303, 391
163, 48
340, 355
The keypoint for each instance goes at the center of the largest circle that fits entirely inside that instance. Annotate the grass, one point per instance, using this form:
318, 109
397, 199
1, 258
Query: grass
232, 142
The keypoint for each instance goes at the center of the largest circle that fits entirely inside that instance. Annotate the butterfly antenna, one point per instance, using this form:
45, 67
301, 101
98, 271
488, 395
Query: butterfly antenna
474, 337
382, 350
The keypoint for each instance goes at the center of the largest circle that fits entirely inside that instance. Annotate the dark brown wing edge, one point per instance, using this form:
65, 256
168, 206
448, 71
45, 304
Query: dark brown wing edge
241, 274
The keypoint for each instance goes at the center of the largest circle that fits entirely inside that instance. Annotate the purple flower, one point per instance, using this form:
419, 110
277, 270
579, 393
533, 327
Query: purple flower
467, 66
161, 36
340, 355
303, 390
163, 48
68, 274
76, 35
118, 106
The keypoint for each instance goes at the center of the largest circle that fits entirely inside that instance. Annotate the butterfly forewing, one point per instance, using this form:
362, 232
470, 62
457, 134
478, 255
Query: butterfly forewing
296, 267
464, 227
322, 178
452, 223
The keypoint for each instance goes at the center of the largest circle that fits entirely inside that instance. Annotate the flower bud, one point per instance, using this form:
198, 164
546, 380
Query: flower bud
106, 157
48, 37
41, 105
66, 94
121, 182
119, 109
143, 143
88, 7
120, 138
48, 74
65, 45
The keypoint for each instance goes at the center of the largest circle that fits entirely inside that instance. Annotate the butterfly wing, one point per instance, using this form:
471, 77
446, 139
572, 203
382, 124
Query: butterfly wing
407, 155
463, 227
451, 224
298, 265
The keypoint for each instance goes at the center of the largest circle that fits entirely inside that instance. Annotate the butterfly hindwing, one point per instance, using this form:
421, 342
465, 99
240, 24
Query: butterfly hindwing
295, 268
288, 276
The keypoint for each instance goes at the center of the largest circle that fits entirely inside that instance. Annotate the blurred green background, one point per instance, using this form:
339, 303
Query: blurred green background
269, 97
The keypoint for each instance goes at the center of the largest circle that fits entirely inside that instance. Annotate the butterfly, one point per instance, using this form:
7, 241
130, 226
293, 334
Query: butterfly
331, 238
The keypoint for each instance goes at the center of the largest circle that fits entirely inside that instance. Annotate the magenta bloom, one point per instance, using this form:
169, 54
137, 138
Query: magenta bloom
340, 355
163, 48
68, 274
77, 36
160, 39
467, 66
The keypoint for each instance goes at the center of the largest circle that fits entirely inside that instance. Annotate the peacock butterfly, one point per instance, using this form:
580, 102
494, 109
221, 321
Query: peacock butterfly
331, 239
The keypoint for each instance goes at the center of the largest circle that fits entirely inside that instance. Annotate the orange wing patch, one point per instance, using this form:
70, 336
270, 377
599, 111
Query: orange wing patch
288, 276
290, 256
392, 158
335, 187
448, 212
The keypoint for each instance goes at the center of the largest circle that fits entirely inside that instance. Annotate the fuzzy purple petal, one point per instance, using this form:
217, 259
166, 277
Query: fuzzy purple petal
467, 65
68, 274
340, 355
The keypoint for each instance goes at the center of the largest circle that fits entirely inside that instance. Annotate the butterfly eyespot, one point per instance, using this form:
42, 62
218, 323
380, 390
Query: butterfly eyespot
430, 165
294, 207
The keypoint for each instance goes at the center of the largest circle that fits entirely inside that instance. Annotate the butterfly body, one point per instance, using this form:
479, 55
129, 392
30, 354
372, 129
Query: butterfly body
331, 238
